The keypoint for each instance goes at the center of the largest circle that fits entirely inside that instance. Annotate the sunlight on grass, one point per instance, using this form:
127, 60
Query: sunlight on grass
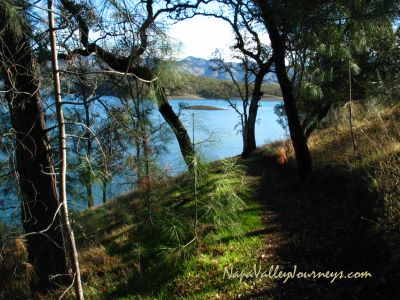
124, 256
148, 262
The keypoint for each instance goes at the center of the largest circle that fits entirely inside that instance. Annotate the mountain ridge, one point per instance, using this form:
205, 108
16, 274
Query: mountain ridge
203, 67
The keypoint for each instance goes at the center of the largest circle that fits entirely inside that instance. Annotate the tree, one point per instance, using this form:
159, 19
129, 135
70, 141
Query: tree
242, 86
135, 120
269, 14
76, 279
324, 37
114, 144
34, 170
88, 173
85, 90
331, 47
258, 59
133, 62
249, 49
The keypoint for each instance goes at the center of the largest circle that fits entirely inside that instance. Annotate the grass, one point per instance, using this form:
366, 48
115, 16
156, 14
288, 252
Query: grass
123, 257
345, 218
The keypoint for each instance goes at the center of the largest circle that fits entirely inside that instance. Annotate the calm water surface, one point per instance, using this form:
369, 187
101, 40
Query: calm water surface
215, 130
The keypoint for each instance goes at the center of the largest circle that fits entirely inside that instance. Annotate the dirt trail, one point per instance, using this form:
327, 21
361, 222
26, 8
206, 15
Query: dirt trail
317, 227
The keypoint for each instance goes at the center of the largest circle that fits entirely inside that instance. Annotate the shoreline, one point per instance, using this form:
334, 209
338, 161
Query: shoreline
202, 107
197, 97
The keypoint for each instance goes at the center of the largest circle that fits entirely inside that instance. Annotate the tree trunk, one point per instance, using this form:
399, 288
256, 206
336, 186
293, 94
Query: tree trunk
63, 157
148, 179
142, 140
250, 143
36, 177
138, 160
179, 129
104, 192
309, 127
88, 171
245, 131
138, 137
299, 141
89, 193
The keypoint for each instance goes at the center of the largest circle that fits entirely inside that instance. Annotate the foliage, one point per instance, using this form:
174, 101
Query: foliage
339, 51
158, 248
12, 19
215, 207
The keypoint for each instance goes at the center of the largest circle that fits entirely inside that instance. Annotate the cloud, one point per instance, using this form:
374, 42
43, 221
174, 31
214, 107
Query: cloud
200, 36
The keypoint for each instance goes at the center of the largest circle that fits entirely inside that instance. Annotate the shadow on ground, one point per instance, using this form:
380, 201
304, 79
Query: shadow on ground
326, 225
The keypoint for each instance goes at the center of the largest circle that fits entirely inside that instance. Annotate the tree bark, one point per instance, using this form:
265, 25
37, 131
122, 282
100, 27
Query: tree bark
37, 183
250, 143
278, 44
63, 156
311, 125
88, 171
104, 192
177, 126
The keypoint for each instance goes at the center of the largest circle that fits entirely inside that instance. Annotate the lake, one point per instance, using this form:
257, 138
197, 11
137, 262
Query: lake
215, 136
218, 128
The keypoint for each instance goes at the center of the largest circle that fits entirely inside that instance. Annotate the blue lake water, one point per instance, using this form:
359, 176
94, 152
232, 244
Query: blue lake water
216, 133
215, 136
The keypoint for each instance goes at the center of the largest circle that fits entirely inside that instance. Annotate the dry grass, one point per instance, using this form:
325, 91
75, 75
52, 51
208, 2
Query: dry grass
377, 134
96, 261
20, 246
15, 272
282, 156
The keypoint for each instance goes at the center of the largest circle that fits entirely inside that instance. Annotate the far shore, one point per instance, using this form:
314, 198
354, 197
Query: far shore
197, 97
202, 107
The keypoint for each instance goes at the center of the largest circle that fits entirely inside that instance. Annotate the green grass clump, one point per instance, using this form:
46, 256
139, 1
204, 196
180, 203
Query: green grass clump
125, 257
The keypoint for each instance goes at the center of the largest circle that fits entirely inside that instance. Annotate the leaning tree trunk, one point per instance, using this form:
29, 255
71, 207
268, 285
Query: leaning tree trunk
63, 157
303, 156
299, 141
37, 184
177, 126
315, 120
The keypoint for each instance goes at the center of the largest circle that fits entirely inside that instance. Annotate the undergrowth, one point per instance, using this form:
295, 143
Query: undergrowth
124, 256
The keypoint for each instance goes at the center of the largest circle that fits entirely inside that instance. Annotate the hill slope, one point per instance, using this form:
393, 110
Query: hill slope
321, 226
346, 218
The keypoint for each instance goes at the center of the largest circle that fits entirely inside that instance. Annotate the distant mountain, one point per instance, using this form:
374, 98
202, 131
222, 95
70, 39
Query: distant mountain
202, 67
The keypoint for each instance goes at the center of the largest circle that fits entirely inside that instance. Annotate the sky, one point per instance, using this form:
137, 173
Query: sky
200, 36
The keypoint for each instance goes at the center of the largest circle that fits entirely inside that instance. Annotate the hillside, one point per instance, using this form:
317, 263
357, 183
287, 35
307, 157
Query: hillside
346, 218
212, 88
